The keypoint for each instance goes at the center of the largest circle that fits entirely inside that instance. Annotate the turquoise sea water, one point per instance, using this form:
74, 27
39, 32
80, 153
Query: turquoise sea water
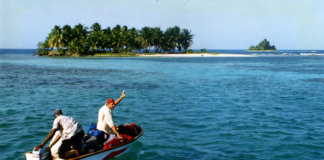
267, 107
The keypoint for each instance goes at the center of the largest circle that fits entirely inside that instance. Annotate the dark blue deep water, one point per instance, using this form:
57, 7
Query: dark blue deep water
265, 107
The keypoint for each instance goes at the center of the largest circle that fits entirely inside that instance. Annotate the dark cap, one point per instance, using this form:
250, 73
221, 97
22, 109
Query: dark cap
58, 111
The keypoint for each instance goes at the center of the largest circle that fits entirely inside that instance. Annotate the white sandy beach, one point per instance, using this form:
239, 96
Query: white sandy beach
196, 55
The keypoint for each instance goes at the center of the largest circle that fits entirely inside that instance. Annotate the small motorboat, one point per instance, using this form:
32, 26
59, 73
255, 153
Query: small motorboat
109, 151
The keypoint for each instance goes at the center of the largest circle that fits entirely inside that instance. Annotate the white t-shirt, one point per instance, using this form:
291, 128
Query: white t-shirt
67, 126
105, 120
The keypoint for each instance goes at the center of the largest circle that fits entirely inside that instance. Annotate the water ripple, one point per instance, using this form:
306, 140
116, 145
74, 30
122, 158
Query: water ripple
190, 108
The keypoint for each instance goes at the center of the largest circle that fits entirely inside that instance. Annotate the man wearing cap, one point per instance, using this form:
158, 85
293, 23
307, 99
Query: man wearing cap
71, 133
105, 120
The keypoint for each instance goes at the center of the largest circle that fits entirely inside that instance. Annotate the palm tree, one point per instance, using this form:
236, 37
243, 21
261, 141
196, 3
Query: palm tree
106, 39
124, 38
166, 40
146, 38
116, 38
132, 40
171, 39
42, 48
157, 39
176, 36
67, 35
185, 39
79, 44
128, 39
96, 37
55, 37
80, 32
96, 27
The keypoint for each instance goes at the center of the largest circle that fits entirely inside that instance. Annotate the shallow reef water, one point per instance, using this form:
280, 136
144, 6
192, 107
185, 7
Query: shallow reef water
263, 107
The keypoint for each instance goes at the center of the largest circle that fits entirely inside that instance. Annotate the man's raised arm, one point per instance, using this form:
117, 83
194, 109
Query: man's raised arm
120, 98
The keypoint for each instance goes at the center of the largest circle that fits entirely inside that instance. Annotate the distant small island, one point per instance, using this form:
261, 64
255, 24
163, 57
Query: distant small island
263, 46
116, 41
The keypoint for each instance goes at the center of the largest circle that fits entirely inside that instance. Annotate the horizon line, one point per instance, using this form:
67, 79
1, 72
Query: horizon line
205, 48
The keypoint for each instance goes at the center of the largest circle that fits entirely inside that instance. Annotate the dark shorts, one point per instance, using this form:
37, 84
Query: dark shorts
101, 136
74, 141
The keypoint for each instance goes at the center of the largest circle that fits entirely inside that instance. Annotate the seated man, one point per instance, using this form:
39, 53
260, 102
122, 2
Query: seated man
105, 120
71, 133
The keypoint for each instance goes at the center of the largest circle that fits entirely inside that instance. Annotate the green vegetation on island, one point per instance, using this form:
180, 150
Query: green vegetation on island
79, 41
263, 46
203, 50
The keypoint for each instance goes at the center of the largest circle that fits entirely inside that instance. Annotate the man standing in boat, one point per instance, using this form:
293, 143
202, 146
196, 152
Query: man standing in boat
105, 120
71, 134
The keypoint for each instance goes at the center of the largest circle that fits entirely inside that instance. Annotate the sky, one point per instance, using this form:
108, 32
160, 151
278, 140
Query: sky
215, 24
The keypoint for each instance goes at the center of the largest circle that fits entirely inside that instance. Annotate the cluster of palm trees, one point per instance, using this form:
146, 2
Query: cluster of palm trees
80, 40
263, 45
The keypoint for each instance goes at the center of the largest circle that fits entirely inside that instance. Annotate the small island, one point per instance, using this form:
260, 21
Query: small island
116, 41
263, 46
